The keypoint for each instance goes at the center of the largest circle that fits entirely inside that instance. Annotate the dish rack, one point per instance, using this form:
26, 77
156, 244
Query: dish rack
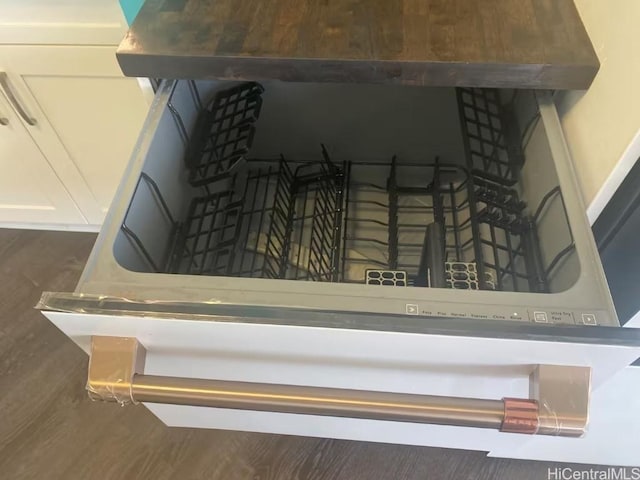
274, 222
458, 231
223, 134
388, 224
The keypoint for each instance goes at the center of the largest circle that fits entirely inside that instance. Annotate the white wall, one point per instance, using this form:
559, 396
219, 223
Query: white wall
602, 125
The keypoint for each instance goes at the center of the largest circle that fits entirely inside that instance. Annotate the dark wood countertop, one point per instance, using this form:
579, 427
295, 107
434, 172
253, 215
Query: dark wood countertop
493, 43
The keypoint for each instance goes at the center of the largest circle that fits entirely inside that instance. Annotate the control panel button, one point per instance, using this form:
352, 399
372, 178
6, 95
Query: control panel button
552, 316
589, 319
412, 309
540, 317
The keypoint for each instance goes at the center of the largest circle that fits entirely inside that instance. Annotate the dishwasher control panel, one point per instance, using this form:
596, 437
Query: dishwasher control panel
531, 315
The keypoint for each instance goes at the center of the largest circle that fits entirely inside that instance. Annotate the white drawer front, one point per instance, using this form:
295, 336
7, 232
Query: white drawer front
444, 365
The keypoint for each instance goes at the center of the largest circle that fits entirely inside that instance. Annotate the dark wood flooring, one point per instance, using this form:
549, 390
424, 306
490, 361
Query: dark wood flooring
49, 429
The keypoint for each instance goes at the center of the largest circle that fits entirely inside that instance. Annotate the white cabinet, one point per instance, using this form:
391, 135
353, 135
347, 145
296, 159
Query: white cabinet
30, 191
87, 118
64, 22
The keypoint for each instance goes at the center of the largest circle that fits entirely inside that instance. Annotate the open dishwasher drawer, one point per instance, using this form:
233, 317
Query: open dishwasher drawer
331, 197
329, 250
261, 251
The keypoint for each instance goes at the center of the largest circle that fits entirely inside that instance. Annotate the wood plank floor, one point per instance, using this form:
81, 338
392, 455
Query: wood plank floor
49, 429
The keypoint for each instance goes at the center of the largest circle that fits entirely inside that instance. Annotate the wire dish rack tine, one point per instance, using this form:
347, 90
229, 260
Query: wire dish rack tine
156, 265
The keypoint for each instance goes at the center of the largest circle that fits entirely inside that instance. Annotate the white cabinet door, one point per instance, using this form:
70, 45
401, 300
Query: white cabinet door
30, 192
88, 115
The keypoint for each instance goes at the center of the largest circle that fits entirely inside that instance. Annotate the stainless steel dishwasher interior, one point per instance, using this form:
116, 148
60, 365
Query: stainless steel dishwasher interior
420, 201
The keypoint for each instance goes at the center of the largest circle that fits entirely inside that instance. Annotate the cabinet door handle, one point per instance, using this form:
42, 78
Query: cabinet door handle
4, 121
559, 403
4, 83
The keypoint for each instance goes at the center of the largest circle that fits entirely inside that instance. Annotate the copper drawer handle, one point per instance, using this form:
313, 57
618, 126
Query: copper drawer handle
559, 403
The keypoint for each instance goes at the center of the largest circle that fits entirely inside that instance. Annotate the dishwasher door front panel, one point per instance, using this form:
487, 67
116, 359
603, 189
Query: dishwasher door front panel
448, 363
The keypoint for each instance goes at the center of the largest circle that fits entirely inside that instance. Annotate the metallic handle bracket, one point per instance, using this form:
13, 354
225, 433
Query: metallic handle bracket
559, 402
